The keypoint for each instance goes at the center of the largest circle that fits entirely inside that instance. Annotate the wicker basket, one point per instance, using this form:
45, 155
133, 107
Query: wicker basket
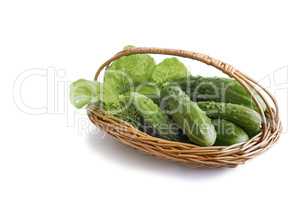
189, 154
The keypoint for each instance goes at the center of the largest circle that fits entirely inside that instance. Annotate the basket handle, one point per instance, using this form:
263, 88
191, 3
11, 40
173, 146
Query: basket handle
248, 83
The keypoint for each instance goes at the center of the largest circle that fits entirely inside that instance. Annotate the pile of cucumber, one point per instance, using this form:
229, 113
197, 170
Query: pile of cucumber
166, 101
201, 115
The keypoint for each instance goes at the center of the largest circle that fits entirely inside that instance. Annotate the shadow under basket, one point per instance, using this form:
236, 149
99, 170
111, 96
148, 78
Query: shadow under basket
190, 154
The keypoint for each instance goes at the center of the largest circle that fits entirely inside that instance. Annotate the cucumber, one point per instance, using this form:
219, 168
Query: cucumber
220, 90
187, 115
121, 109
244, 117
155, 121
228, 133
150, 90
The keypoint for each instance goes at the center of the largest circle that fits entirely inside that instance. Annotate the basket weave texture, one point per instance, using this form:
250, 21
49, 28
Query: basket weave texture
190, 154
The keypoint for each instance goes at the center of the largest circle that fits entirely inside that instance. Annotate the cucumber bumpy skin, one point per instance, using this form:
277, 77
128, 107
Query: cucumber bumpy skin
220, 90
154, 117
188, 116
122, 110
244, 117
228, 133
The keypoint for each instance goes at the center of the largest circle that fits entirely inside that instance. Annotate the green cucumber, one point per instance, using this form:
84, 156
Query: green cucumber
244, 117
153, 117
228, 133
220, 90
150, 90
121, 109
187, 115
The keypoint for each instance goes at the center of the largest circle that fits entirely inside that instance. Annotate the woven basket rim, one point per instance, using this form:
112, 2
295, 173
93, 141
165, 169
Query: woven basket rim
191, 154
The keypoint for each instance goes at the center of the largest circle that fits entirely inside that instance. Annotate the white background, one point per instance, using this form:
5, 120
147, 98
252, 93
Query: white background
51, 151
